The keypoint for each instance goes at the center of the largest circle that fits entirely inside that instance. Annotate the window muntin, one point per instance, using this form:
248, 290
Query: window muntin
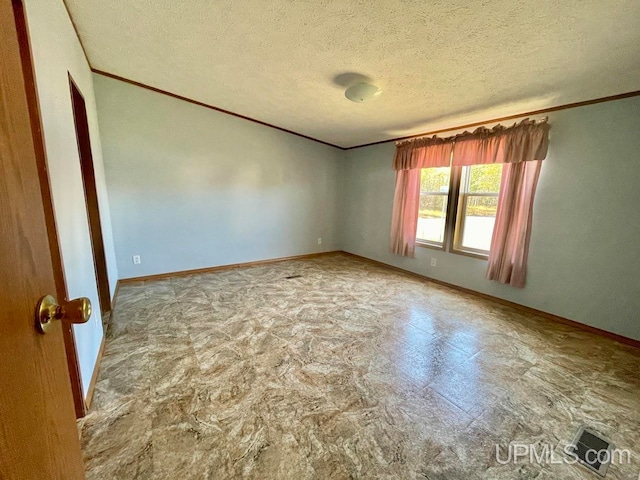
434, 201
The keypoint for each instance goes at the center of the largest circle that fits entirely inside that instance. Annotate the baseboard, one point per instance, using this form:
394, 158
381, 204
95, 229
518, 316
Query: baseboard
218, 268
94, 377
517, 306
114, 298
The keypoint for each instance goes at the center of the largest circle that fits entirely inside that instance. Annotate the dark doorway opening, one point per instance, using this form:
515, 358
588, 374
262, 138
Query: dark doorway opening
91, 196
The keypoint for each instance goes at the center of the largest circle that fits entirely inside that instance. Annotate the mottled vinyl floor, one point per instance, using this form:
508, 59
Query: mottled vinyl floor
349, 371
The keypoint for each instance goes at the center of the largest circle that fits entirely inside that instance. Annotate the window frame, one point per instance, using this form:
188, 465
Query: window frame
430, 243
453, 229
454, 183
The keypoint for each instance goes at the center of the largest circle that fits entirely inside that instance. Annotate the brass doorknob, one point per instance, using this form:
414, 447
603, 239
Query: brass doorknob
74, 311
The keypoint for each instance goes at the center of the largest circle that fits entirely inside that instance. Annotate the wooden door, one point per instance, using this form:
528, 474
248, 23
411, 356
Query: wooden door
38, 433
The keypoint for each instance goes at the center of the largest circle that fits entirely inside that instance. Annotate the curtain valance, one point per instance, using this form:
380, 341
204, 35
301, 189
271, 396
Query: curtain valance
522, 142
424, 152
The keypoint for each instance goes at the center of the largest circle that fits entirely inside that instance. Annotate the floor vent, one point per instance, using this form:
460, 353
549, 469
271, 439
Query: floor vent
292, 276
593, 451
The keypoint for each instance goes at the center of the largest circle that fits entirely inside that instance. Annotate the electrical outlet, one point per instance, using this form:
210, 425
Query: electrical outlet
433, 262
319, 240
136, 260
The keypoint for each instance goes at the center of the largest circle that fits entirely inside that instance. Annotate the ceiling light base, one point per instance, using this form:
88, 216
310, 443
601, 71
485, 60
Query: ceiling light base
362, 92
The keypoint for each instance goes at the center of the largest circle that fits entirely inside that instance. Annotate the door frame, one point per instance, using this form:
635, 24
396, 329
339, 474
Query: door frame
33, 102
90, 189
39, 436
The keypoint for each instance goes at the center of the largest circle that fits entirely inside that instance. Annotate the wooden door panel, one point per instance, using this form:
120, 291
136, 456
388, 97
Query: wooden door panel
38, 433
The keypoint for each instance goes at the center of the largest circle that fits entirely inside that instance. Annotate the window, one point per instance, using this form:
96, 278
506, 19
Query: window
458, 208
477, 205
434, 200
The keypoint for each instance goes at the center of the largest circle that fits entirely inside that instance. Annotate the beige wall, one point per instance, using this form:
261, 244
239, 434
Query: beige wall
57, 52
192, 188
584, 261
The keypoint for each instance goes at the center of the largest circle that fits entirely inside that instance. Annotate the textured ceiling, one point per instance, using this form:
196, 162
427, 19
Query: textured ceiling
439, 63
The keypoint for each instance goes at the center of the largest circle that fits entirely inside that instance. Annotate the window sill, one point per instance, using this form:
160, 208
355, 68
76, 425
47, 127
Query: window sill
430, 245
468, 253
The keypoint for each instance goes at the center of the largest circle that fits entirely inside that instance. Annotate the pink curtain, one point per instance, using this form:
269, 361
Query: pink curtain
480, 147
404, 218
520, 147
423, 153
522, 142
512, 231
410, 158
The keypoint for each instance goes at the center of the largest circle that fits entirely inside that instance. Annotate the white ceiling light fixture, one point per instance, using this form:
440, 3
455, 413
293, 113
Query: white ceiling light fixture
362, 92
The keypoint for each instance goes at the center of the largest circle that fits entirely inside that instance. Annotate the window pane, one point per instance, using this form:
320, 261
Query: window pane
435, 180
484, 178
431, 218
479, 221
433, 207
477, 211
